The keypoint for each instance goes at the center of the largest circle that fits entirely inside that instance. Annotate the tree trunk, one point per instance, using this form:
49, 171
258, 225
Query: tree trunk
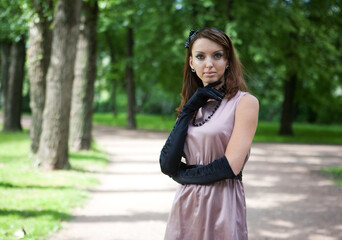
38, 58
229, 11
13, 101
5, 63
85, 74
130, 89
288, 105
53, 148
113, 90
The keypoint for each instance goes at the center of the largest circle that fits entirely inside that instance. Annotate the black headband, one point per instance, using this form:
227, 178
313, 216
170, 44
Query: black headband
193, 33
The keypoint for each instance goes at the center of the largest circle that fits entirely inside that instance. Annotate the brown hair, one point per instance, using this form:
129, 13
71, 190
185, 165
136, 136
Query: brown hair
233, 77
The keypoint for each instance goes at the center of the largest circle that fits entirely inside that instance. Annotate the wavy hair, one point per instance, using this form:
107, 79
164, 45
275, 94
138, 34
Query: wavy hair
233, 77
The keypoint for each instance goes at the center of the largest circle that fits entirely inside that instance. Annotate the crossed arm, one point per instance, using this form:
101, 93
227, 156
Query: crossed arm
229, 165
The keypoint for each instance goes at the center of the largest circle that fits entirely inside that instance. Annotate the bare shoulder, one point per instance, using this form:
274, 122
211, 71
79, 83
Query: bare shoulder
247, 113
248, 102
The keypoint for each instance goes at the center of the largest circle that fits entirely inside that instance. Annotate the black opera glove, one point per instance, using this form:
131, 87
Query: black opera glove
201, 97
215, 171
172, 152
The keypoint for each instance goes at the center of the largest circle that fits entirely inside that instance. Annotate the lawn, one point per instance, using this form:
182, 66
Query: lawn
334, 173
144, 121
303, 133
38, 201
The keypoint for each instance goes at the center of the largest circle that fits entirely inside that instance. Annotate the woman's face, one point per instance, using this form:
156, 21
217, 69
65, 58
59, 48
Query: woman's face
208, 60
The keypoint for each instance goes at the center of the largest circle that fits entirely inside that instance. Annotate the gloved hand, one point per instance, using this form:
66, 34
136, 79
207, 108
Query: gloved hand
215, 171
171, 154
201, 97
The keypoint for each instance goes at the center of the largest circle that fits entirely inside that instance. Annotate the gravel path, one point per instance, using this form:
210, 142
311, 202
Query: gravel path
287, 197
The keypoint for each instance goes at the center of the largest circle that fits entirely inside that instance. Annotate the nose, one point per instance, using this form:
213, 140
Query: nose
209, 62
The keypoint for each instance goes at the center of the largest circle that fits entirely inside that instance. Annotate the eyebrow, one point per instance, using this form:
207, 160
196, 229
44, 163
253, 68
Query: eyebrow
214, 51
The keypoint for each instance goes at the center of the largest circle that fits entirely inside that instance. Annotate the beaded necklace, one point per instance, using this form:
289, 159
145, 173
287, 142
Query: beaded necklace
207, 118
210, 115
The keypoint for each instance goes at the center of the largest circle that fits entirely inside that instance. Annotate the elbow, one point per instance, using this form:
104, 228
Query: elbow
235, 165
165, 166
166, 169
168, 161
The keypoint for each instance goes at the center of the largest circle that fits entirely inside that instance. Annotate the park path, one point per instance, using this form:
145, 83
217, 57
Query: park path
287, 197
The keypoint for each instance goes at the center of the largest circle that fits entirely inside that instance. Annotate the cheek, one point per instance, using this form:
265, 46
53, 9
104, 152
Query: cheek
197, 62
222, 64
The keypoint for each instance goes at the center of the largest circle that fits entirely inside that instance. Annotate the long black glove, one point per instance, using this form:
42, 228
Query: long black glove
215, 171
171, 154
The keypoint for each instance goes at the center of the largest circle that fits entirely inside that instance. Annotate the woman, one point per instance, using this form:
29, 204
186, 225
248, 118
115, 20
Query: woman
214, 131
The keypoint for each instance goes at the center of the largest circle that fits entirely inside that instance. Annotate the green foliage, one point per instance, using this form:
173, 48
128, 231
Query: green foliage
38, 201
291, 36
272, 38
335, 173
13, 20
155, 68
299, 37
303, 133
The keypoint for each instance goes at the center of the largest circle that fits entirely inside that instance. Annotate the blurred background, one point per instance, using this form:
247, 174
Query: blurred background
291, 51
120, 63
68, 64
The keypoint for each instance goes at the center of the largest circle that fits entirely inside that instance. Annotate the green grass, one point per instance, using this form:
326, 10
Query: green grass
335, 173
144, 121
303, 133
266, 132
35, 200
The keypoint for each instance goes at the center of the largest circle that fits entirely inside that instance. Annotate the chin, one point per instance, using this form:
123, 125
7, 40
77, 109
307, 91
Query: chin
206, 82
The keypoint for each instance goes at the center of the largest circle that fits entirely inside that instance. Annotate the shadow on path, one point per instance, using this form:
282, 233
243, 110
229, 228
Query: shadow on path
286, 196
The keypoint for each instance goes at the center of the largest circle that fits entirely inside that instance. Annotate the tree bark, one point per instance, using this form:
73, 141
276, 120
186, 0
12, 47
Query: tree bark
292, 64
113, 90
5, 63
130, 88
229, 11
288, 105
13, 98
53, 148
38, 58
85, 74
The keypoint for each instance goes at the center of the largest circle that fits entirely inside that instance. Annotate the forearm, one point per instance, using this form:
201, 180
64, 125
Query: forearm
215, 171
172, 151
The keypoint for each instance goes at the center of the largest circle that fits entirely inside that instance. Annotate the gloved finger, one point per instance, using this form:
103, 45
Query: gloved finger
215, 94
214, 84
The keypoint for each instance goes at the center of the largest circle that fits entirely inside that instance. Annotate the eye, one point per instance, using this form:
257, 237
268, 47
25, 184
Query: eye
200, 56
218, 55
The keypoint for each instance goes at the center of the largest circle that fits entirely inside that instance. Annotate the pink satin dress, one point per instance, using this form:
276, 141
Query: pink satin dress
216, 211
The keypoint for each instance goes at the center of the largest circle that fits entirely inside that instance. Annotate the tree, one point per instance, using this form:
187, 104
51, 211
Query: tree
53, 148
307, 45
38, 60
85, 74
12, 42
130, 88
295, 40
14, 86
5, 49
129, 70
287, 50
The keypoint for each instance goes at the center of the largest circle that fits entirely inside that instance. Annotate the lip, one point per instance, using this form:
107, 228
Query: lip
209, 74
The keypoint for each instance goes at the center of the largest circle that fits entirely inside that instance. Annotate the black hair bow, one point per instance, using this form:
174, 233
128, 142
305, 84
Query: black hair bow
192, 34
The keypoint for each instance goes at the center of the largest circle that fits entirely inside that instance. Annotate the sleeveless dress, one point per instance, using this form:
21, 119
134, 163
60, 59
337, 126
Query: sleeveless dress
216, 211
